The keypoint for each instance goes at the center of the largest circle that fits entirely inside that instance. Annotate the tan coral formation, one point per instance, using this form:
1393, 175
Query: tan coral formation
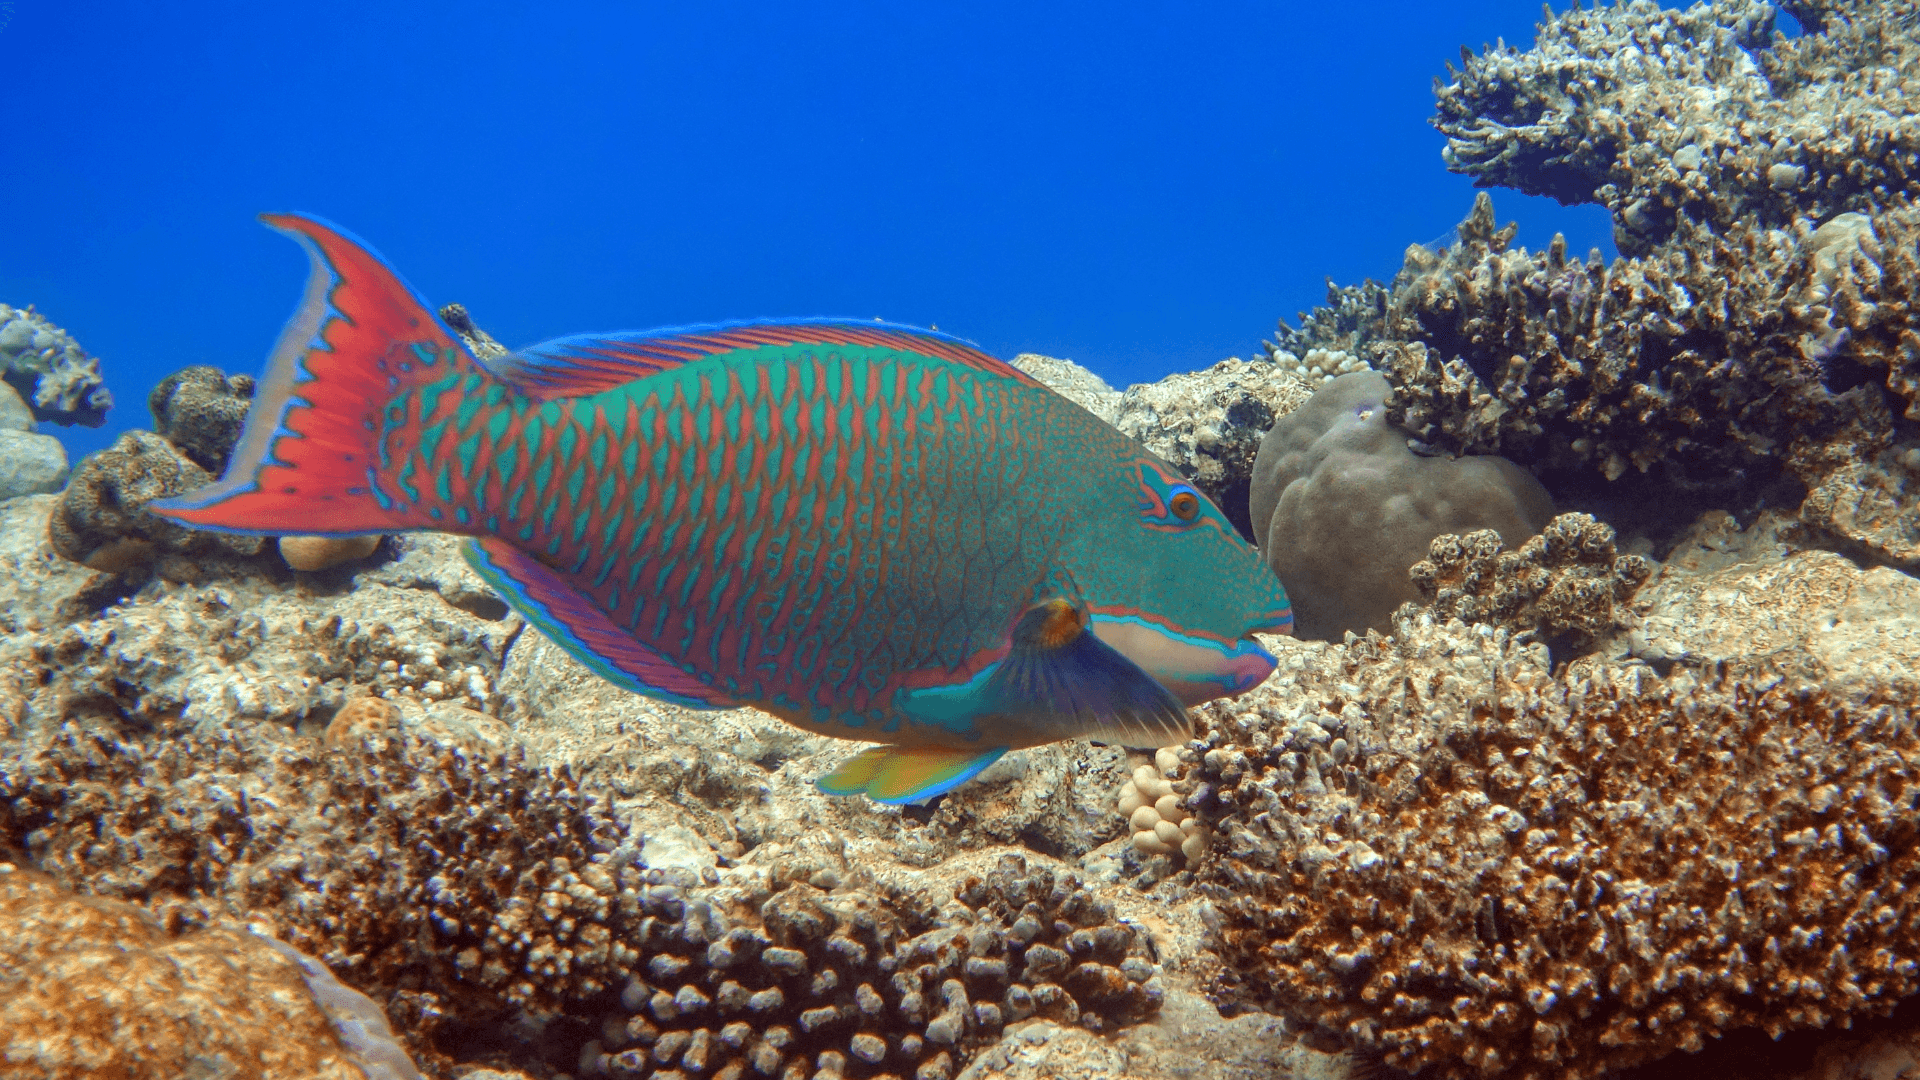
94, 988
1157, 813
1566, 580
320, 552
1435, 849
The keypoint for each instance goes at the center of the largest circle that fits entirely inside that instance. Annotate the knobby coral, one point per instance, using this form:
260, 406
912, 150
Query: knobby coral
1567, 581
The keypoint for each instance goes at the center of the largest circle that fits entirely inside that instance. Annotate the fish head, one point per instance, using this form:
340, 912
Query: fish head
1175, 588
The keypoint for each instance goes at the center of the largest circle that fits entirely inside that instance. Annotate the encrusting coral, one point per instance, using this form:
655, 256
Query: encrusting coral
1439, 852
463, 889
1566, 581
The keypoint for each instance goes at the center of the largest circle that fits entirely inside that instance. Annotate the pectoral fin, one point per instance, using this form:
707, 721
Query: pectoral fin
1058, 681
899, 774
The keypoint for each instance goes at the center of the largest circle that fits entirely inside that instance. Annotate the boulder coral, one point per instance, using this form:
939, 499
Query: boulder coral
1342, 507
1443, 854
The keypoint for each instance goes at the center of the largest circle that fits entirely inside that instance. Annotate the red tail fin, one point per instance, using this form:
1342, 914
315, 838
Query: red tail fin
307, 458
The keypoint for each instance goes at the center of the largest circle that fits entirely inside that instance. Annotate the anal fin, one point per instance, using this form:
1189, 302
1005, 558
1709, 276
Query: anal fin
571, 620
900, 774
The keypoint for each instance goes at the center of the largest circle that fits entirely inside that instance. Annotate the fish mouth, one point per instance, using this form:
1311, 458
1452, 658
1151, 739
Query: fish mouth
1194, 669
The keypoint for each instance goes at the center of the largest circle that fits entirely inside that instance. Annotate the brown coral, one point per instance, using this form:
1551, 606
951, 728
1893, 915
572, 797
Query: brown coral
101, 520
1566, 581
96, 989
1436, 850
200, 410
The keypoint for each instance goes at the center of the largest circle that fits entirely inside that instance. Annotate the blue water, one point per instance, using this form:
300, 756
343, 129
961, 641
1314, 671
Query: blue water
1143, 188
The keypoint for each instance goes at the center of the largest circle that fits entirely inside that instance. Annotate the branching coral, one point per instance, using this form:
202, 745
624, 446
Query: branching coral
1566, 581
1436, 850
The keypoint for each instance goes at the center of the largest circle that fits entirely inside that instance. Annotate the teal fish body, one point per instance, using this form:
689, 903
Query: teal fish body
873, 532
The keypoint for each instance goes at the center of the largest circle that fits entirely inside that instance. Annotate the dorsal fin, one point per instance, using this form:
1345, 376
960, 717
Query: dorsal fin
585, 364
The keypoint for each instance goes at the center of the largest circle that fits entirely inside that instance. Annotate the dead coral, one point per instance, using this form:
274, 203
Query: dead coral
101, 519
1433, 849
1566, 581
200, 410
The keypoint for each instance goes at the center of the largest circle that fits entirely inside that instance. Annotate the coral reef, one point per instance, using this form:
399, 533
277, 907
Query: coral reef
1157, 814
1342, 507
1073, 382
101, 519
474, 886
50, 370
477, 341
1759, 338
30, 464
92, 987
200, 410
1565, 582
1440, 851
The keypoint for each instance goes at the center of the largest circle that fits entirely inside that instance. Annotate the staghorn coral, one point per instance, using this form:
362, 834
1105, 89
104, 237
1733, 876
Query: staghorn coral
1434, 849
95, 988
464, 889
51, 372
200, 410
1565, 581
101, 518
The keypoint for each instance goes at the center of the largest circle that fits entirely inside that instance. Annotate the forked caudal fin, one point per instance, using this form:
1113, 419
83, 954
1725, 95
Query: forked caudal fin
306, 460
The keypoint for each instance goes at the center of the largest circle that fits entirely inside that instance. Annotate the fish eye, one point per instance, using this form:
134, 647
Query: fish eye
1184, 504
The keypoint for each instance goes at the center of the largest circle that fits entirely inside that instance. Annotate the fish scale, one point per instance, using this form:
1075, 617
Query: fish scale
871, 531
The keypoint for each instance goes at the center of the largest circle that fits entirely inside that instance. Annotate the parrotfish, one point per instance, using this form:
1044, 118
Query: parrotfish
868, 530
